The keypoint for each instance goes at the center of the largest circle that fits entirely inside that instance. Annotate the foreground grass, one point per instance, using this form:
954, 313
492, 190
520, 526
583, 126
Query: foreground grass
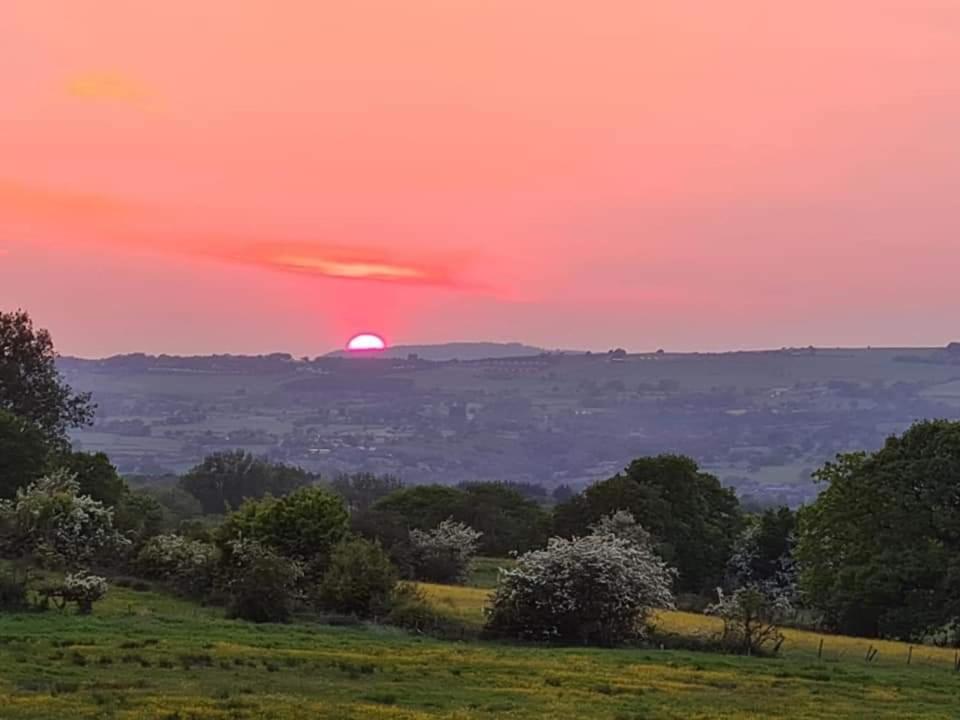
144, 655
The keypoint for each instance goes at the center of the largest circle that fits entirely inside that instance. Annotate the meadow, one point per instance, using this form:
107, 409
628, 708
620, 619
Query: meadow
146, 655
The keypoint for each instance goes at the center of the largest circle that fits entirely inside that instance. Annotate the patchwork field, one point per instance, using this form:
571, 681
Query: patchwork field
144, 655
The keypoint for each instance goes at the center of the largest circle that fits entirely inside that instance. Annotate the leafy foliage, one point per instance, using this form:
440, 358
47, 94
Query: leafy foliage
190, 566
361, 490
596, 590
509, 520
443, 554
693, 519
879, 550
262, 585
303, 526
30, 385
96, 476
23, 453
360, 579
53, 524
224, 480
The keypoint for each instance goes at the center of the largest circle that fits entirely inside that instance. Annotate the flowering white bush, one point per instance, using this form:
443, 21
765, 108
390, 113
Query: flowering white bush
622, 524
444, 553
84, 589
50, 521
596, 589
189, 564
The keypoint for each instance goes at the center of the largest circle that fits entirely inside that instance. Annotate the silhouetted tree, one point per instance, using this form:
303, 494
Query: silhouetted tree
30, 384
224, 480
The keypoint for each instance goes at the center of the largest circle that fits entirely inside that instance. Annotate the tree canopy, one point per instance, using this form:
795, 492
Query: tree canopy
693, 519
879, 550
224, 480
23, 453
30, 384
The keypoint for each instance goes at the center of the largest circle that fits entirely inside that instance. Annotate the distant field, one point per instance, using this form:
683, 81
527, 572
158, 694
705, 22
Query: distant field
143, 655
467, 603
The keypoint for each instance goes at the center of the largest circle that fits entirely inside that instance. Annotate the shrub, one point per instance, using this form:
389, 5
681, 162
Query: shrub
750, 619
13, 592
360, 579
50, 522
81, 588
303, 526
189, 565
261, 585
596, 590
444, 553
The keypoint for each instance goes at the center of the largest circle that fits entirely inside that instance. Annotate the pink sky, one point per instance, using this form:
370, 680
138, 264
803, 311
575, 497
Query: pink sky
271, 175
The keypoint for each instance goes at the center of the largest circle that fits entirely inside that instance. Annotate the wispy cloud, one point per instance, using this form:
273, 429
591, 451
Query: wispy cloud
111, 87
124, 226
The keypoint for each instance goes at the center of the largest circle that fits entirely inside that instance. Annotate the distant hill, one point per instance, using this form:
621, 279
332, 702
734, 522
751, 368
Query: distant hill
457, 351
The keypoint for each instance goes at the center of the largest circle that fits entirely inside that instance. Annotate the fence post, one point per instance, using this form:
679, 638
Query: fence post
820, 650
909, 654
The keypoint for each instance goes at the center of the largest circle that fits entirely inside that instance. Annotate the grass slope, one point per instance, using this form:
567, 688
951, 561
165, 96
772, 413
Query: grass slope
143, 655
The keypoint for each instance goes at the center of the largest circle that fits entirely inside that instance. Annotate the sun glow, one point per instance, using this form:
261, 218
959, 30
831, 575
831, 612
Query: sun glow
366, 342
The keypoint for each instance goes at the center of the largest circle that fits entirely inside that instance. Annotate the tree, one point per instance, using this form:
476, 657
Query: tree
23, 453
224, 480
139, 516
361, 490
95, 475
623, 525
30, 384
879, 550
422, 506
51, 524
360, 579
597, 590
444, 553
508, 520
693, 519
262, 585
303, 526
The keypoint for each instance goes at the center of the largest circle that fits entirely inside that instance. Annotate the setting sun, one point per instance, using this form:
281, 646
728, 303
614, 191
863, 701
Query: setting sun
366, 342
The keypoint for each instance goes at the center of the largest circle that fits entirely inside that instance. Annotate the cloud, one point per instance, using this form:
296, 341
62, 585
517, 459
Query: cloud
125, 226
343, 263
109, 87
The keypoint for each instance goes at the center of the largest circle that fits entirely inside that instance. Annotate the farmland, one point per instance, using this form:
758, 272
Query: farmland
145, 655
759, 421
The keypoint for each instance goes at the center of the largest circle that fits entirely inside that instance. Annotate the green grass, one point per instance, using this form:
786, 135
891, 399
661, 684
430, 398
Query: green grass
144, 655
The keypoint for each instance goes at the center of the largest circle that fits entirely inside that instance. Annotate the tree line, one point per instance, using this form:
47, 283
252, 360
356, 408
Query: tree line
875, 554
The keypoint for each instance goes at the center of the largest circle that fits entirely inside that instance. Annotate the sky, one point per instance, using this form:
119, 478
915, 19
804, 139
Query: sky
277, 175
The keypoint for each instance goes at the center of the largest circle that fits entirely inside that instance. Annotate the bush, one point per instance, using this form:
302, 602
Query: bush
594, 590
359, 580
443, 554
261, 585
188, 565
50, 523
81, 588
750, 620
13, 593
303, 526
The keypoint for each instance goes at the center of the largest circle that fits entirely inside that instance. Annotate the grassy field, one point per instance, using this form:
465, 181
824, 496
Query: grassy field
467, 603
144, 655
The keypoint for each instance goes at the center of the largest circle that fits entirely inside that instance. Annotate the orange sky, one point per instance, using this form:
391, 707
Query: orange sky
266, 175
